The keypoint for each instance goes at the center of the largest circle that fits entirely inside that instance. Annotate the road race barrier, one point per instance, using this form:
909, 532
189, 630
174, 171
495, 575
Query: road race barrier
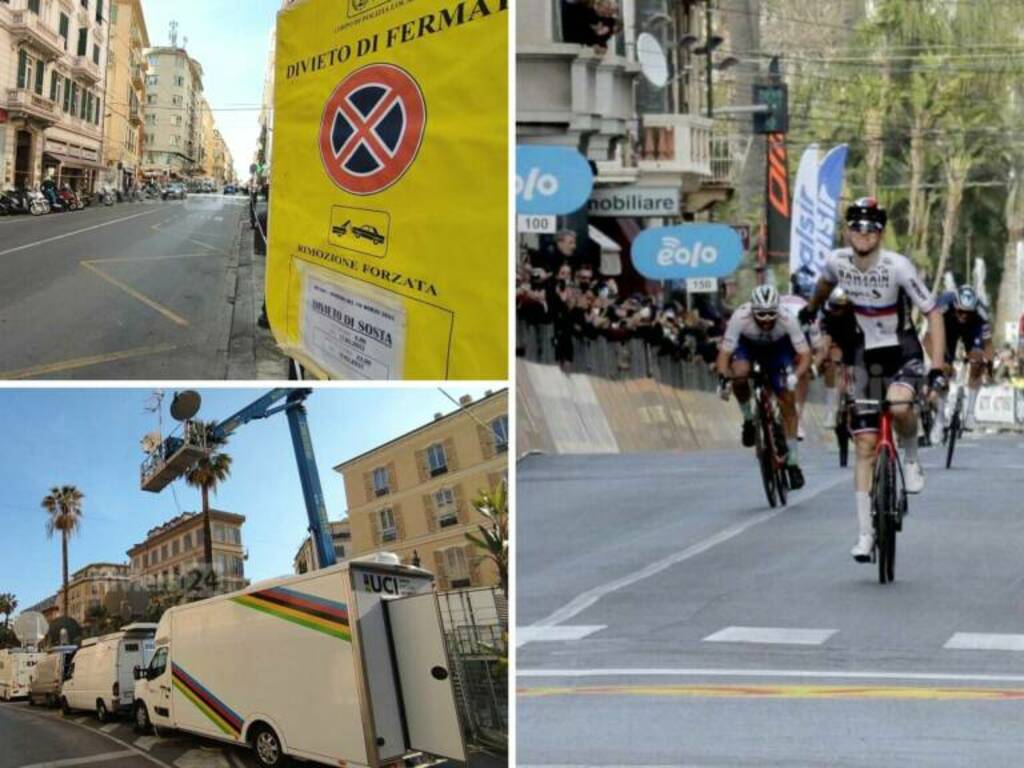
1001, 406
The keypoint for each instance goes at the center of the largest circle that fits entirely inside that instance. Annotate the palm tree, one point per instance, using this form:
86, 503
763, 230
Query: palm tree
493, 538
8, 602
64, 505
206, 475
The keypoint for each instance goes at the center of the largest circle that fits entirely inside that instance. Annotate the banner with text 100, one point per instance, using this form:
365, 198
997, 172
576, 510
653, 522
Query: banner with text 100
389, 193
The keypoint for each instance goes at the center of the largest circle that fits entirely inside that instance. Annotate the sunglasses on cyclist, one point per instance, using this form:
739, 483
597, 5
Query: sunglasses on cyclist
764, 317
864, 226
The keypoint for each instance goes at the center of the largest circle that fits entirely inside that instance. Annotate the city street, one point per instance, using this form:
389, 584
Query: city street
668, 616
134, 291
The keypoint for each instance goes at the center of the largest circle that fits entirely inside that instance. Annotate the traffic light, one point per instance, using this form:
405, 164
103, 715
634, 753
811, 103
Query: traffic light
776, 97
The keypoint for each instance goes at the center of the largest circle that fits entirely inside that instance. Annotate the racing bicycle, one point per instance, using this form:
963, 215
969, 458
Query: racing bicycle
770, 439
955, 430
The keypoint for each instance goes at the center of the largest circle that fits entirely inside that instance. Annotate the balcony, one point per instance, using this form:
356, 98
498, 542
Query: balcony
84, 68
135, 117
28, 29
31, 106
138, 78
675, 150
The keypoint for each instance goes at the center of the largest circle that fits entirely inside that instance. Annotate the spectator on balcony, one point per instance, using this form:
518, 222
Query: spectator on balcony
590, 22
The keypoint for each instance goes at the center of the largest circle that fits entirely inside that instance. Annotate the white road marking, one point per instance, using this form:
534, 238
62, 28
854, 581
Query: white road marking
561, 633
822, 674
145, 742
203, 758
72, 234
81, 720
109, 727
588, 598
101, 758
976, 641
778, 635
218, 218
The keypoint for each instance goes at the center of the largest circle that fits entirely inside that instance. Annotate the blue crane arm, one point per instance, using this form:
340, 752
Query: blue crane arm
259, 409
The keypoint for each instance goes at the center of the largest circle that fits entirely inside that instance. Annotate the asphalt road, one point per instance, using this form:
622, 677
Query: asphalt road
666, 616
132, 291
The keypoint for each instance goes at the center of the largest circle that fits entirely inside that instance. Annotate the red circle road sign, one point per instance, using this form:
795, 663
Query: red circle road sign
372, 128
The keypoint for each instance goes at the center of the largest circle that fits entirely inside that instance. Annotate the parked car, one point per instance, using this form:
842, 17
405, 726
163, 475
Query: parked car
17, 666
51, 671
175, 192
230, 189
101, 675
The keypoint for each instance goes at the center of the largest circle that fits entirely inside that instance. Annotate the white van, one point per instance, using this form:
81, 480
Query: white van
17, 666
51, 672
345, 666
101, 676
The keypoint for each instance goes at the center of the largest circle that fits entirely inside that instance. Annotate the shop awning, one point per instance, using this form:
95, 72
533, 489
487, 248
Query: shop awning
611, 252
73, 162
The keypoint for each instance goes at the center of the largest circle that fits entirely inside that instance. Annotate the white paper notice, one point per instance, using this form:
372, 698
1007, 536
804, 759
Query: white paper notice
353, 333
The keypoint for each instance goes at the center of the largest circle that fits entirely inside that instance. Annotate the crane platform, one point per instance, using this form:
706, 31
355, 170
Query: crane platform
171, 459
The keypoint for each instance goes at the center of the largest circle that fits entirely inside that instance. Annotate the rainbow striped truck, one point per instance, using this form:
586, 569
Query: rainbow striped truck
344, 666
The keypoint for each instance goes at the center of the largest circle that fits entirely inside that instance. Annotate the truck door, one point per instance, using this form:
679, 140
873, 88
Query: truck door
158, 688
422, 667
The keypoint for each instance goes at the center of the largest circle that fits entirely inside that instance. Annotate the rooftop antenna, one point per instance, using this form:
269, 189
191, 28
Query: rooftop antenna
174, 34
154, 404
184, 42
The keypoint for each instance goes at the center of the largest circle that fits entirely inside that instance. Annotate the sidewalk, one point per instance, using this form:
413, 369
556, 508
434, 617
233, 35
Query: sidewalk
477, 759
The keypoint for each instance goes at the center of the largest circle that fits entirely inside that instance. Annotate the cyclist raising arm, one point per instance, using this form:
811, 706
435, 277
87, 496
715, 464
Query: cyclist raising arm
759, 331
888, 360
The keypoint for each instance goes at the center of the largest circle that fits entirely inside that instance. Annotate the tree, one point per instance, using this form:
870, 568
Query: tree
8, 604
64, 507
98, 620
207, 473
493, 536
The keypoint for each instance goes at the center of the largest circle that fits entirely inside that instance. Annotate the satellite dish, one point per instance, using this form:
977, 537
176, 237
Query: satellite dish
652, 59
30, 627
185, 404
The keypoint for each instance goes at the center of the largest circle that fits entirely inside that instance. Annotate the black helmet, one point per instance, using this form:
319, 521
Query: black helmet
966, 299
867, 209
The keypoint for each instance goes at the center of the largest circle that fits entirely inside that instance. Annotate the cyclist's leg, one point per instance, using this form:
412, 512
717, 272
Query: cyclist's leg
976, 370
739, 367
865, 438
902, 392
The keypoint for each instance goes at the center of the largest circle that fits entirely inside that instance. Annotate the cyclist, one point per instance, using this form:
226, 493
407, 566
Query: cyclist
965, 319
888, 359
839, 342
761, 331
802, 284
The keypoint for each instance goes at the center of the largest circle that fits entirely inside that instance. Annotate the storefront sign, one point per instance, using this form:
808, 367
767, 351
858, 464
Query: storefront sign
551, 180
687, 251
390, 205
634, 201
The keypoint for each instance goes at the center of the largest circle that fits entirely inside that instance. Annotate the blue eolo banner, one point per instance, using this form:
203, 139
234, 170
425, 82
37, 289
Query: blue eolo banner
687, 250
551, 180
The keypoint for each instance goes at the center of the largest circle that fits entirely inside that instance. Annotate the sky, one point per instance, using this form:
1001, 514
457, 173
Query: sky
90, 438
231, 40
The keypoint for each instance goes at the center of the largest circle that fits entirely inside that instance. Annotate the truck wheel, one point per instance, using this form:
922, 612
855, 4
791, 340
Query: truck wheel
142, 724
267, 747
64, 708
101, 711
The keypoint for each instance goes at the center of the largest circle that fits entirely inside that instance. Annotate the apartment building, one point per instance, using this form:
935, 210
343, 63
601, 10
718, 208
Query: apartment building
53, 56
413, 495
171, 550
173, 120
206, 139
126, 93
89, 585
341, 536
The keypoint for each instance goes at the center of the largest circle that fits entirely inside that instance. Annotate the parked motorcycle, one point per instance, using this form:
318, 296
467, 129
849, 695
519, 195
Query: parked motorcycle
70, 200
17, 200
38, 204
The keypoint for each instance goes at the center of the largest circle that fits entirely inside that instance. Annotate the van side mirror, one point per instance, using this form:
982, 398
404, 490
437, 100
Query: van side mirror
137, 673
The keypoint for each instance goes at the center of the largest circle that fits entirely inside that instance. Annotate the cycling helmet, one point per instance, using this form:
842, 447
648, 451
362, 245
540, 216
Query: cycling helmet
966, 299
803, 283
764, 301
866, 212
838, 297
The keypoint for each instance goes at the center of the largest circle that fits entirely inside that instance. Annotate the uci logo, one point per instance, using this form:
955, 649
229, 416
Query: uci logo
387, 585
673, 252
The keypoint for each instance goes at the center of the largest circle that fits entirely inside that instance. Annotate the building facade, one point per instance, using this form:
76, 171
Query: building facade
89, 585
53, 58
172, 144
341, 535
173, 549
413, 496
126, 93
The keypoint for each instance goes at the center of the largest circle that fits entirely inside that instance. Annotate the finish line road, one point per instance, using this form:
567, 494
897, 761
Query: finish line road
132, 291
667, 616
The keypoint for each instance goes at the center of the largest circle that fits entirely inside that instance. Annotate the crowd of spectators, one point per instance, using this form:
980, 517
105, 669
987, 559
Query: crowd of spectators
559, 291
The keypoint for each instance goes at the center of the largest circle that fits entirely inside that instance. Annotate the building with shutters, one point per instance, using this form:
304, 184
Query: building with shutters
413, 495
89, 585
53, 58
172, 137
341, 536
126, 93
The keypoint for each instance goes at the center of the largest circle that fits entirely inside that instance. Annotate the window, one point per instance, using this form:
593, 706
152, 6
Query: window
54, 87
179, 81
40, 77
456, 567
436, 460
444, 503
153, 61
145, 559
33, 5
99, 11
176, 100
152, 80
65, 29
83, 41
380, 481
151, 99
163, 551
188, 541
175, 547
24, 69
388, 531
219, 534
499, 429
95, 54
157, 664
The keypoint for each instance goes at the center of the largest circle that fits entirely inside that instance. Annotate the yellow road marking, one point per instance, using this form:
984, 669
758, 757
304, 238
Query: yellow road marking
781, 692
177, 319
85, 362
145, 258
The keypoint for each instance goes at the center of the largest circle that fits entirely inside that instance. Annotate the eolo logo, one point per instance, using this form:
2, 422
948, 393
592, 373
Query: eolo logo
371, 129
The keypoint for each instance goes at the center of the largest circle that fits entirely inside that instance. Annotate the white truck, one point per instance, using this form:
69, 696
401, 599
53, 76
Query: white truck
101, 675
51, 672
17, 666
344, 666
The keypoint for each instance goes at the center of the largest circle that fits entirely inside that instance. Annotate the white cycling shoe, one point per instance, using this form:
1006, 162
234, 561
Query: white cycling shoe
913, 476
862, 549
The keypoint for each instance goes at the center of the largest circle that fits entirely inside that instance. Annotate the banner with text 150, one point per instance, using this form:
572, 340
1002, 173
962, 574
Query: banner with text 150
389, 195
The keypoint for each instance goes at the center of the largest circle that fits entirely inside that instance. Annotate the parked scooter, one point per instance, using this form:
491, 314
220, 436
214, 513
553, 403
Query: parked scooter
52, 195
17, 200
70, 200
107, 196
38, 204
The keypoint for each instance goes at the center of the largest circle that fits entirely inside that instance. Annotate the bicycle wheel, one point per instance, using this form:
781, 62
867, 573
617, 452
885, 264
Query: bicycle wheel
766, 464
778, 452
883, 504
951, 435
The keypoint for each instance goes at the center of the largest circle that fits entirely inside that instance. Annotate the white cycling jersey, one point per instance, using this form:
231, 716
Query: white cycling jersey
794, 304
879, 294
743, 326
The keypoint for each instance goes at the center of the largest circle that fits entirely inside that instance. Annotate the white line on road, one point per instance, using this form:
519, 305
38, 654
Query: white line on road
775, 635
555, 634
72, 234
80, 720
102, 758
145, 742
773, 673
109, 727
976, 641
588, 598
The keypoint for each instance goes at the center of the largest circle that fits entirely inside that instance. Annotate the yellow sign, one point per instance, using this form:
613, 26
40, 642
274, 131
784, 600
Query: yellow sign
388, 230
